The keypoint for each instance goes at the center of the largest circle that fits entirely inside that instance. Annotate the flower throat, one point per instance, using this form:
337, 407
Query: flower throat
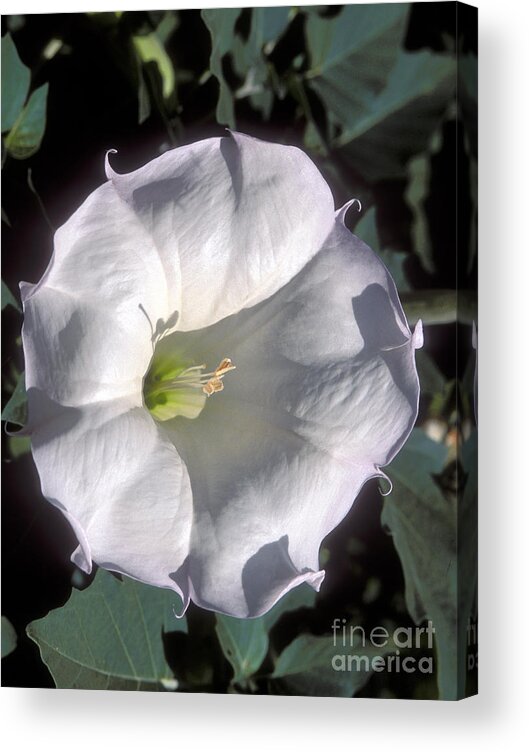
176, 387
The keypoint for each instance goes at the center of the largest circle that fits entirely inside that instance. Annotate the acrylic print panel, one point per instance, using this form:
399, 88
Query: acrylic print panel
240, 350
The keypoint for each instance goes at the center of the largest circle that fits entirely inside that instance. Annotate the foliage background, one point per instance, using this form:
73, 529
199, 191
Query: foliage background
384, 100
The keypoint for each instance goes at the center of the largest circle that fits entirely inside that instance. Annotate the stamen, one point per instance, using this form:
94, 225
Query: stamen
214, 384
172, 390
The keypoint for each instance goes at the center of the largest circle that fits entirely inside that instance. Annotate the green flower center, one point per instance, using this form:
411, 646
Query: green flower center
174, 386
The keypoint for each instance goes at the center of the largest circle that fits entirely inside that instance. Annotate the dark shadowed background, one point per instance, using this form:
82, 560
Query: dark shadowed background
387, 115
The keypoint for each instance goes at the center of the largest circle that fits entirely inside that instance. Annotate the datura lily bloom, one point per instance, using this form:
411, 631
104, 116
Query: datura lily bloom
215, 366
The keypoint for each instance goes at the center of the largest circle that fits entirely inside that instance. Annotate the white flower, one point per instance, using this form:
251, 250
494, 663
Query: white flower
227, 248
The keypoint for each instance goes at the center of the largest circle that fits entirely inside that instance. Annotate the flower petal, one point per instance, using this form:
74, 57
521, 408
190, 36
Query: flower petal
121, 485
325, 392
234, 219
87, 323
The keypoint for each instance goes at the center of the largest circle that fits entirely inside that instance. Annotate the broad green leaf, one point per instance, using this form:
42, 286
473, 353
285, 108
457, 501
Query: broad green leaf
150, 48
244, 642
351, 56
271, 23
355, 37
8, 298
399, 122
424, 527
26, 135
267, 25
221, 26
9, 637
248, 56
109, 636
317, 666
249, 60
16, 408
15, 83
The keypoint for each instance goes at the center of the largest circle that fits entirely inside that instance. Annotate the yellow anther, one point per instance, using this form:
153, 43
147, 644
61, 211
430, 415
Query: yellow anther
214, 384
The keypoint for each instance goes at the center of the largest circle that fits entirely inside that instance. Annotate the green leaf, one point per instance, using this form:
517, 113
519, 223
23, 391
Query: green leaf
302, 596
361, 36
248, 56
431, 379
245, 642
313, 666
221, 26
9, 637
249, 59
8, 298
424, 527
15, 83
419, 179
351, 56
419, 174
144, 101
109, 636
18, 446
440, 306
168, 24
16, 409
25, 137
271, 23
150, 48
399, 122
395, 262
366, 230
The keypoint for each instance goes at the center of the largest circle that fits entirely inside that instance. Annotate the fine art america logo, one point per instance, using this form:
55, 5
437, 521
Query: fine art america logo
379, 649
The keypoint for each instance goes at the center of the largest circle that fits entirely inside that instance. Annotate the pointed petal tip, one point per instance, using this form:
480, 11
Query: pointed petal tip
109, 172
26, 288
82, 559
180, 612
386, 492
237, 135
316, 580
341, 213
417, 338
